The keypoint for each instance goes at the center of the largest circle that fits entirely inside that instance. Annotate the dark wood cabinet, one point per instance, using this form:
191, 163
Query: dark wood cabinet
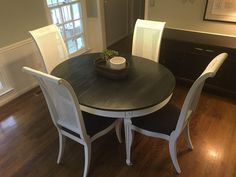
187, 54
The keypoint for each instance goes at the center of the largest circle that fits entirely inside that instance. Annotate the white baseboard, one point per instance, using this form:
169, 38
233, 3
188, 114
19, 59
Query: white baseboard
14, 94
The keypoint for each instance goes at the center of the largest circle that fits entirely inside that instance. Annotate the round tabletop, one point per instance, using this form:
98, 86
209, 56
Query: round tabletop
148, 84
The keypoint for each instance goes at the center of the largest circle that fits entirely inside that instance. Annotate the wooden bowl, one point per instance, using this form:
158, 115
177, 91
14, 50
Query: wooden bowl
104, 69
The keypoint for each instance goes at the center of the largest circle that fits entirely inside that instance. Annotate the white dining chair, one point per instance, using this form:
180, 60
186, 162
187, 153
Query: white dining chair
50, 45
169, 122
67, 117
147, 39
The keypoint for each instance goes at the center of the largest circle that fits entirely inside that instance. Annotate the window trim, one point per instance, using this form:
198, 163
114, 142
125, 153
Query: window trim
84, 23
6, 86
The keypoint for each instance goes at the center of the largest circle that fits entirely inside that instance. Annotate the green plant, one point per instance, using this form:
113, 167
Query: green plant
108, 54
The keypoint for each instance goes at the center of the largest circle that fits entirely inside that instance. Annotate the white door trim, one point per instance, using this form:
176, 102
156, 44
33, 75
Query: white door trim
101, 18
146, 10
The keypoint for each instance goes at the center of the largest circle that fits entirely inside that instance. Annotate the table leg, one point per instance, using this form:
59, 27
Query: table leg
118, 129
128, 139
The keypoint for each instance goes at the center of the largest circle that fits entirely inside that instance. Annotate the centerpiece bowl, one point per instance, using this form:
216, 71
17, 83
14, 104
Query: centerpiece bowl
103, 68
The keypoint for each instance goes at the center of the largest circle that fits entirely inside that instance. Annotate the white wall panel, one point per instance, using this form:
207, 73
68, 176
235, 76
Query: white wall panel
12, 58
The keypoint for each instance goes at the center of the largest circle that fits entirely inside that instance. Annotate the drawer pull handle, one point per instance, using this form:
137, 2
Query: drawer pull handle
199, 49
209, 50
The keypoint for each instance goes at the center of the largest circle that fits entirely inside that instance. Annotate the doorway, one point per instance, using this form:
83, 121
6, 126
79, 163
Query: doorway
120, 17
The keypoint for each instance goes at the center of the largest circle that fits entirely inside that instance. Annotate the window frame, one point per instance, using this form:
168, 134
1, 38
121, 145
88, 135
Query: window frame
5, 84
83, 19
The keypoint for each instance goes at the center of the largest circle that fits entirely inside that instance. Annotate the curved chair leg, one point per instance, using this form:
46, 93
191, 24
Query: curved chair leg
118, 129
173, 154
187, 137
128, 140
87, 158
61, 147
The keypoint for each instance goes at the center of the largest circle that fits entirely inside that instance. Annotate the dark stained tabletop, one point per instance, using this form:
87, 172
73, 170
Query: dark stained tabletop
148, 83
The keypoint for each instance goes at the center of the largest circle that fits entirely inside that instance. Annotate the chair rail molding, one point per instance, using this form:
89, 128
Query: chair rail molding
15, 45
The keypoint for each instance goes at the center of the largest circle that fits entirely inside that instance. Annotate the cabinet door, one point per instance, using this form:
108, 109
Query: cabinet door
184, 59
188, 60
172, 60
225, 77
197, 58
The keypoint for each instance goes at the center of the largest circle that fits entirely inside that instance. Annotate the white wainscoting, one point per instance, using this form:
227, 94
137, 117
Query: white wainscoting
12, 58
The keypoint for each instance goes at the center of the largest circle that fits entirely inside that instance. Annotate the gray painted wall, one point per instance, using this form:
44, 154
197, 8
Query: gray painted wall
188, 14
17, 17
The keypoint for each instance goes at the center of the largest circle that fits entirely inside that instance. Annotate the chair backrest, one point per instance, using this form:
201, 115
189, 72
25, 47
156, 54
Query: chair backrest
192, 98
147, 39
51, 46
62, 102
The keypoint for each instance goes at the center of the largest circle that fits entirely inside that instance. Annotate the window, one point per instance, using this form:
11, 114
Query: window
68, 16
4, 87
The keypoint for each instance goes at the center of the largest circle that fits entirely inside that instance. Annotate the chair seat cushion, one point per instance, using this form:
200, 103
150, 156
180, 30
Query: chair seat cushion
93, 124
162, 121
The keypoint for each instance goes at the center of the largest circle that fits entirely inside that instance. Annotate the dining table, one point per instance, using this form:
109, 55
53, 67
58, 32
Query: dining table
147, 88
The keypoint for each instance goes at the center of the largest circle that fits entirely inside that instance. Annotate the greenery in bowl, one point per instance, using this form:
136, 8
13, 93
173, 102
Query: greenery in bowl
108, 54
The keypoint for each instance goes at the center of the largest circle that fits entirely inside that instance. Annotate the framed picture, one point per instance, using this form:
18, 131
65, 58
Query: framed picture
220, 10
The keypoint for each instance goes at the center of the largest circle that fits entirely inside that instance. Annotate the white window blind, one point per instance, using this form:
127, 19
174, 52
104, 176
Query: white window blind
68, 16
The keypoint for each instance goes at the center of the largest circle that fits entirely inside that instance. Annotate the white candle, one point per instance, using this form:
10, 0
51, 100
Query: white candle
117, 63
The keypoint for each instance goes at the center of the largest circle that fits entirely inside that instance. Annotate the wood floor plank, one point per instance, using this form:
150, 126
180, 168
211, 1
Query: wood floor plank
29, 144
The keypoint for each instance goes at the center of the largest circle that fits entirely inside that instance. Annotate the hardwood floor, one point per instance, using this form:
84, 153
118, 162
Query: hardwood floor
29, 144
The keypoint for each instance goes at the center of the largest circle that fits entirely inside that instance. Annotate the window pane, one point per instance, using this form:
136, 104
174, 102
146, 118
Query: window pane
51, 2
80, 42
78, 27
62, 31
61, 1
4, 87
66, 13
71, 46
56, 18
66, 1
76, 11
69, 30
1, 85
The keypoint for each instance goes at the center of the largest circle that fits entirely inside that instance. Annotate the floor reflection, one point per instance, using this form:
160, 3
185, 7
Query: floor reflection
7, 123
213, 153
